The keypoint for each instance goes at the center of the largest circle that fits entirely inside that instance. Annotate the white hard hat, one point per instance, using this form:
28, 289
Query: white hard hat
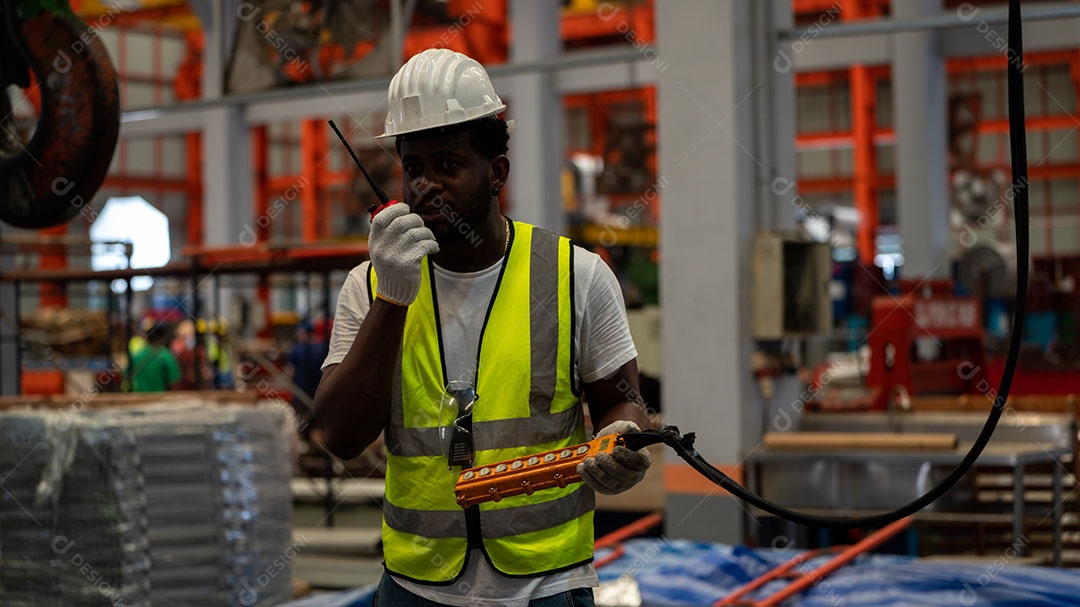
438, 87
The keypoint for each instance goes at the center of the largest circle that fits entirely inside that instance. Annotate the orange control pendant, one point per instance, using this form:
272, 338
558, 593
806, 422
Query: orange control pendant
557, 468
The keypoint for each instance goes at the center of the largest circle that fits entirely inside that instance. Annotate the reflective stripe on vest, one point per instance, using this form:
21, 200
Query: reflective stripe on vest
528, 402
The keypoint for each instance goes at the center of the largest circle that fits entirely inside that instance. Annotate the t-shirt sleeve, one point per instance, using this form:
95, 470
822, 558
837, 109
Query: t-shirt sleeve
606, 343
352, 307
172, 369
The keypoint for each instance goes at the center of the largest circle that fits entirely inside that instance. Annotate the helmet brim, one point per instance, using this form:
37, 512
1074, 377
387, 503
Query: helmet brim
434, 127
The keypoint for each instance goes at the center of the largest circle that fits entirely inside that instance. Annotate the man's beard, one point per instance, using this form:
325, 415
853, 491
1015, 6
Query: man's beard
468, 220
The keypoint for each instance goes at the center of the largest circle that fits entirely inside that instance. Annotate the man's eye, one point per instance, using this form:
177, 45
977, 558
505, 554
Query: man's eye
412, 168
449, 165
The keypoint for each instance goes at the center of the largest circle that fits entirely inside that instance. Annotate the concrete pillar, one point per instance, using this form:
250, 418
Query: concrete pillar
775, 123
227, 172
227, 177
712, 160
536, 146
922, 161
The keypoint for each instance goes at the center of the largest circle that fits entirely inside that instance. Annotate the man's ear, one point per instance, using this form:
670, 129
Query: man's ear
499, 172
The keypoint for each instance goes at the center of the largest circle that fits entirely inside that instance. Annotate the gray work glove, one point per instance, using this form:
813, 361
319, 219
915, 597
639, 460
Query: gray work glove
397, 244
615, 472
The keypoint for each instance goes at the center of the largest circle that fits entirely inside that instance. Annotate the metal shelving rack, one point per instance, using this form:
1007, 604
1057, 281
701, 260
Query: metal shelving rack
203, 263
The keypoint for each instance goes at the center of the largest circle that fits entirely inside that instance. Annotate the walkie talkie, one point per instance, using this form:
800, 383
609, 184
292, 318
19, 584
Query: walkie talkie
383, 198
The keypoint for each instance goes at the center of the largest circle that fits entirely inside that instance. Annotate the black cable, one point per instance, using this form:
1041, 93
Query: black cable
683, 445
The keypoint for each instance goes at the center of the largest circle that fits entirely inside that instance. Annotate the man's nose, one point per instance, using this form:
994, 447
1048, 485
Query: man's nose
423, 185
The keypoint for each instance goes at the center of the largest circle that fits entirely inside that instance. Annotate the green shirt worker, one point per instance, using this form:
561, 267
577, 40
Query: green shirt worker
459, 299
154, 367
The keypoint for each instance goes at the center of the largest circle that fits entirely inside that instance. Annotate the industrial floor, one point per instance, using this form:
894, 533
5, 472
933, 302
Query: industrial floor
342, 551
346, 555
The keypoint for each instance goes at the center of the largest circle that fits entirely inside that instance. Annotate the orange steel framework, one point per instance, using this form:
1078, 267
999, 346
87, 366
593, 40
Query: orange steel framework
863, 101
485, 37
598, 108
867, 181
809, 577
796, 569
615, 538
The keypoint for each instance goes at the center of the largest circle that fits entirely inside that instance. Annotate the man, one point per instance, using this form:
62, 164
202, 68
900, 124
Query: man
138, 341
303, 360
154, 368
457, 293
302, 366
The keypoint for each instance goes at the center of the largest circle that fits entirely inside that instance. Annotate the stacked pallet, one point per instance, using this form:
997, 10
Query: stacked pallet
178, 505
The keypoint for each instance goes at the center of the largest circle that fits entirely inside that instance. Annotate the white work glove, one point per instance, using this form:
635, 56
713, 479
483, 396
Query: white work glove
398, 242
615, 472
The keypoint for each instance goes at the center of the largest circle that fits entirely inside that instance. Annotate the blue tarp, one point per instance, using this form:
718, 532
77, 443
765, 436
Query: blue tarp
693, 573
684, 573
360, 597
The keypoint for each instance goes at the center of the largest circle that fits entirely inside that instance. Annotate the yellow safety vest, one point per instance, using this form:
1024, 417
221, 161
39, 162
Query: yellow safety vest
528, 402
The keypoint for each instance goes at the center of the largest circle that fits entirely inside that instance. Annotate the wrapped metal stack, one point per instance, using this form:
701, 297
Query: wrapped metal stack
258, 490
176, 505
72, 524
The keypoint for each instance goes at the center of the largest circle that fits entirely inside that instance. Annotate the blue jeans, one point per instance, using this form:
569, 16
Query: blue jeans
389, 594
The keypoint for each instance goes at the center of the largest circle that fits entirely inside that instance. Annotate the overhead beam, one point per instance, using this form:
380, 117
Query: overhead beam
573, 69
964, 16
979, 37
138, 124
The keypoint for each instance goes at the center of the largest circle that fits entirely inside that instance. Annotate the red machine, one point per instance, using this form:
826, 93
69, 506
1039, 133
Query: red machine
950, 362
954, 324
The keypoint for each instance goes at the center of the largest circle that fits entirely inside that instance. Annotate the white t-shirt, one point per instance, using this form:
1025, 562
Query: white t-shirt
602, 345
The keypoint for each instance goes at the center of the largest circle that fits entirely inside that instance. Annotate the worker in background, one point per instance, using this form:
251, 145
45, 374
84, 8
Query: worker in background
467, 317
191, 354
154, 367
303, 366
138, 340
219, 353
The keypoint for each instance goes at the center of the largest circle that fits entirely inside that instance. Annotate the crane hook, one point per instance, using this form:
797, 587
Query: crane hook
52, 175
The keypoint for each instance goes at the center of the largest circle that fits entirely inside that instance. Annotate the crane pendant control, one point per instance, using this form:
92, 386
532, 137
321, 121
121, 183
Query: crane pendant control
558, 468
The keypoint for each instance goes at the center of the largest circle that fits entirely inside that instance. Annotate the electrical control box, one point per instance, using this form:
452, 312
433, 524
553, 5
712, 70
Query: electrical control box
791, 278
